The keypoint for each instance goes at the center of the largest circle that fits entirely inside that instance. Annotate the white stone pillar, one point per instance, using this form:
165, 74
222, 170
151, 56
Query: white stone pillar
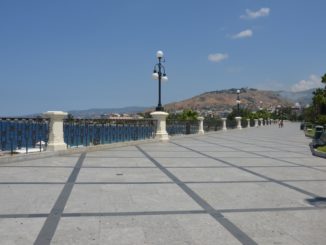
256, 123
56, 140
248, 120
224, 124
238, 122
201, 125
161, 133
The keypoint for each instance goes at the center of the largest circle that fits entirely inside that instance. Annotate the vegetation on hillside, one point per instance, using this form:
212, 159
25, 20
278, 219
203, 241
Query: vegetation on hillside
224, 100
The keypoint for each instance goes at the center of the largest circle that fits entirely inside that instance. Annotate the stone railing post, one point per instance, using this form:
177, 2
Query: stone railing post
56, 140
238, 122
160, 117
256, 123
248, 120
224, 124
201, 125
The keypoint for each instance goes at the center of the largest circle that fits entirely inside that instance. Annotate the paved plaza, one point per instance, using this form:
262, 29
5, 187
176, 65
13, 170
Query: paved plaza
251, 186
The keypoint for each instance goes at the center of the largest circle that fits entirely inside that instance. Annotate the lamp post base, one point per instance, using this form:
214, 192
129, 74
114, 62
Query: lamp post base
56, 138
159, 108
161, 133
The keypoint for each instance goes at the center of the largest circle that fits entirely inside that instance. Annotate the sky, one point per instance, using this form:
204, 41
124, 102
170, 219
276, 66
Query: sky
77, 54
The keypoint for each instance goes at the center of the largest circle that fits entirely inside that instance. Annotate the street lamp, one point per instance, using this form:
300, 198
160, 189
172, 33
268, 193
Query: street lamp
279, 109
238, 102
160, 75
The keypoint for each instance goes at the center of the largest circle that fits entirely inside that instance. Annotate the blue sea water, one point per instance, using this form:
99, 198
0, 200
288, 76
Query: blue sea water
17, 134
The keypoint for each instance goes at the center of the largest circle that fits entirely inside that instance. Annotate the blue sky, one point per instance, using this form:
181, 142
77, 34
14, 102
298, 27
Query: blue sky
65, 55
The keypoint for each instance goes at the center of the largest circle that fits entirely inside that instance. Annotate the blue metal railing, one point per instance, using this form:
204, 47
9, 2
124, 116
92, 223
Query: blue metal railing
213, 125
23, 134
244, 123
231, 123
86, 132
174, 127
252, 122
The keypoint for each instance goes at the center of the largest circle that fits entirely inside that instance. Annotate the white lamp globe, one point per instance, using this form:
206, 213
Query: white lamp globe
155, 75
238, 91
165, 79
159, 54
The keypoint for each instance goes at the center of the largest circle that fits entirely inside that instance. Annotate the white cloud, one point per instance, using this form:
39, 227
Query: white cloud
255, 14
243, 34
312, 82
218, 57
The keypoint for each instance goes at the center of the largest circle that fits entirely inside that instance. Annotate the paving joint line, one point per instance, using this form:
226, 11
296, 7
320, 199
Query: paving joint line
274, 140
262, 155
254, 173
227, 224
248, 143
158, 182
37, 166
263, 146
277, 142
32, 183
150, 213
51, 223
124, 183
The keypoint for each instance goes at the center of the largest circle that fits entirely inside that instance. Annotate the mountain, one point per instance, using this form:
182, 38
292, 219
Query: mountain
224, 100
302, 97
219, 100
90, 113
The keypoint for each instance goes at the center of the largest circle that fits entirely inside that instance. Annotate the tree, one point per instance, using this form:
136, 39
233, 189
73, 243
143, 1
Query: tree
244, 113
323, 79
188, 115
308, 113
70, 117
317, 112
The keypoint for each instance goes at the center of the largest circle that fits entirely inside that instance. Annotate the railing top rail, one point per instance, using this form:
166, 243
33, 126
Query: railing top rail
108, 120
182, 121
112, 119
24, 119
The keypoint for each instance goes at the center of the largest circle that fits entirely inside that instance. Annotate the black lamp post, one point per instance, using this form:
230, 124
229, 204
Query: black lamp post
160, 75
238, 102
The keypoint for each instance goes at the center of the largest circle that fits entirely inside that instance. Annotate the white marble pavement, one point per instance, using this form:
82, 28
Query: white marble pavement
249, 186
